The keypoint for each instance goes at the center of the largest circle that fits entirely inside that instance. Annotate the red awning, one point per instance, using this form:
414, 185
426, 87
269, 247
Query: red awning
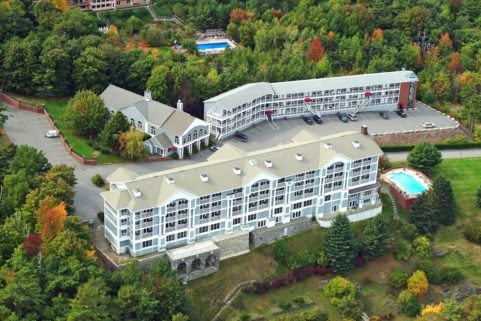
307, 100
368, 94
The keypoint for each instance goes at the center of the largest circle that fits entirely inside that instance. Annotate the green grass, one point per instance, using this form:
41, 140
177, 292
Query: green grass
56, 108
162, 9
120, 17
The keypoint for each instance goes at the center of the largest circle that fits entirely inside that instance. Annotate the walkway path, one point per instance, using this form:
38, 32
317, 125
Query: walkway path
395, 211
231, 296
448, 153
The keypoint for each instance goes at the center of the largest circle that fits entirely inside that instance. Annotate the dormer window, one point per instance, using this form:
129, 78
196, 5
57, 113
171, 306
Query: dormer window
170, 180
204, 177
268, 163
299, 156
236, 170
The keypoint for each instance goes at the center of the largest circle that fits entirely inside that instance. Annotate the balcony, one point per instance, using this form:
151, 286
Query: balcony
170, 218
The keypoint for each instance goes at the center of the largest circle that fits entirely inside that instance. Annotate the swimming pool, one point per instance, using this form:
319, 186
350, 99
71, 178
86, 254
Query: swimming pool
213, 46
408, 182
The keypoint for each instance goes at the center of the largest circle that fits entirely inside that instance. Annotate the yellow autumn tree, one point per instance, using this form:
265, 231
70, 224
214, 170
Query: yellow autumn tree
61, 4
418, 283
131, 144
433, 308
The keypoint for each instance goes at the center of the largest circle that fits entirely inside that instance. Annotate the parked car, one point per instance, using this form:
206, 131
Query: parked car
213, 148
308, 120
384, 115
241, 137
429, 125
317, 119
401, 113
51, 134
342, 117
352, 117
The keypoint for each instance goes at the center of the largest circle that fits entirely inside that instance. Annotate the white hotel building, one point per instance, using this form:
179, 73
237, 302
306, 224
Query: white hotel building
185, 211
252, 103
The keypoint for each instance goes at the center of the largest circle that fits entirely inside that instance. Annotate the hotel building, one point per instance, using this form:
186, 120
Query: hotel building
244, 106
201, 213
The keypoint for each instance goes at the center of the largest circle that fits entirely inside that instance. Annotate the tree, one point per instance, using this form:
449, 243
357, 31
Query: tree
7, 152
133, 25
377, 35
131, 144
452, 311
376, 239
454, 65
418, 283
315, 51
408, 304
117, 124
135, 303
92, 302
15, 189
444, 201
91, 70
29, 159
87, 113
422, 246
190, 45
422, 213
158, 84
340, 245
472, 308
52, 222
238, 15
424, 156
3, 117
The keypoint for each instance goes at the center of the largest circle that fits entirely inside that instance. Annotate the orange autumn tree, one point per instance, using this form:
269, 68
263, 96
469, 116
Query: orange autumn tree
61, 4
238, 15
315, 52
377, 35
454, 66
52, 222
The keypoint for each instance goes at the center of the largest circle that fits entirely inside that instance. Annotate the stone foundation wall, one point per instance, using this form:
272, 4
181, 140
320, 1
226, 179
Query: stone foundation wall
231, 245
269, 235
436, 135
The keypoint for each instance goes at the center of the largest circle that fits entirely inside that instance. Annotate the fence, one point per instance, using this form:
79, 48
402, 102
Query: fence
17, 103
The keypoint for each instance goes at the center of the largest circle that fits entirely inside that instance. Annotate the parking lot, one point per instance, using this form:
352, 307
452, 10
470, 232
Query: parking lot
268, 134
25, 128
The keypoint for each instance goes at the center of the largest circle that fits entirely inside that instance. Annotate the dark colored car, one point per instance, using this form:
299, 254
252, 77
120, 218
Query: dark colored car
401, 113
308, 120
213, 148
384, 115
317, 119
241, 137
342, 117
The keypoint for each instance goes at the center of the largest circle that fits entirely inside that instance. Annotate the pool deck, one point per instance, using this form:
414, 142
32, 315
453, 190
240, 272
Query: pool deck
402, 194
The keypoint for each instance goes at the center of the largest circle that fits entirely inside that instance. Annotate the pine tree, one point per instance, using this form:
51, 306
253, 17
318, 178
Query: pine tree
444, 202
424, 156
340, 245
376, 238
422, 213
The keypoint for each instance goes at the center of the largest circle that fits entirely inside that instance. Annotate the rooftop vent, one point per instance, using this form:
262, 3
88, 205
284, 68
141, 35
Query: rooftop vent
356, 143
328, 145
180, 105
299, 156
170, 180
137, 192
252, 162
268, 163
236, 170
204, 177
147, 95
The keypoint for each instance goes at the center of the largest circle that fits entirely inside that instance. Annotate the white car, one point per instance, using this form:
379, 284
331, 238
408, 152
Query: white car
429, 125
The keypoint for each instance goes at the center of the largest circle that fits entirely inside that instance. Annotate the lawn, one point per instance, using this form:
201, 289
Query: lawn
56, 109
120, 17
162, 9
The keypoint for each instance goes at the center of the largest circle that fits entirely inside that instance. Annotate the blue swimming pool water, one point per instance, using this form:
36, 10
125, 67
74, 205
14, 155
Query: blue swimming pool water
412, 185
214, 45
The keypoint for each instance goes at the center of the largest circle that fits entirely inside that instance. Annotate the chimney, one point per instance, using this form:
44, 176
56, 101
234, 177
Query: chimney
364, 129
147, 95
180, 105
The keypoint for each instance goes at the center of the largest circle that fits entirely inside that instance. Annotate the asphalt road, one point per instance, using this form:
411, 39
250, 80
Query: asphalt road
26, 128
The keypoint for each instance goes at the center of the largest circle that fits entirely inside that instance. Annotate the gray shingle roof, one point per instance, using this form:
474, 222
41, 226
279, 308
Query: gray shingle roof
116, 98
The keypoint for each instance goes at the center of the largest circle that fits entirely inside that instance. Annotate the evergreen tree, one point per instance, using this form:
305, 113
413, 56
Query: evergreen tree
340, 245
424, 156
118, 123
376, 238
444, 202
422, 213
91, 303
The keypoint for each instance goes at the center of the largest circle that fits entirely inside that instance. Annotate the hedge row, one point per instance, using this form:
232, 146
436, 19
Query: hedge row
441, 146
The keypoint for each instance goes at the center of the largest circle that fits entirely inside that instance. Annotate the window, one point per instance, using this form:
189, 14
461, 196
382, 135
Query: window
298, 193
132, 122
278, 210
297, 205
367, 200
146, 243
236, 221
261, 223
124, 232
367, 193
139, 124
203, 229
181, 235
182, 222
251, 217
327, 198
152, 130
176, 139
215, 214
170, 238
308, 203
296, 214
215, 226
147, 230
124, 221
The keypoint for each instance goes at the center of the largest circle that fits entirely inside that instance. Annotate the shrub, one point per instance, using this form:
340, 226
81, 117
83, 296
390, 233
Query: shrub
244, 316
304, 258
397, 279
299, 301
100, 216
408, 304
408, 230
418, 283
422, 246
403, 251
452, 311
473, 233
97, 180
280, 251
440, 275
322, 260
339, 288
284, 304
